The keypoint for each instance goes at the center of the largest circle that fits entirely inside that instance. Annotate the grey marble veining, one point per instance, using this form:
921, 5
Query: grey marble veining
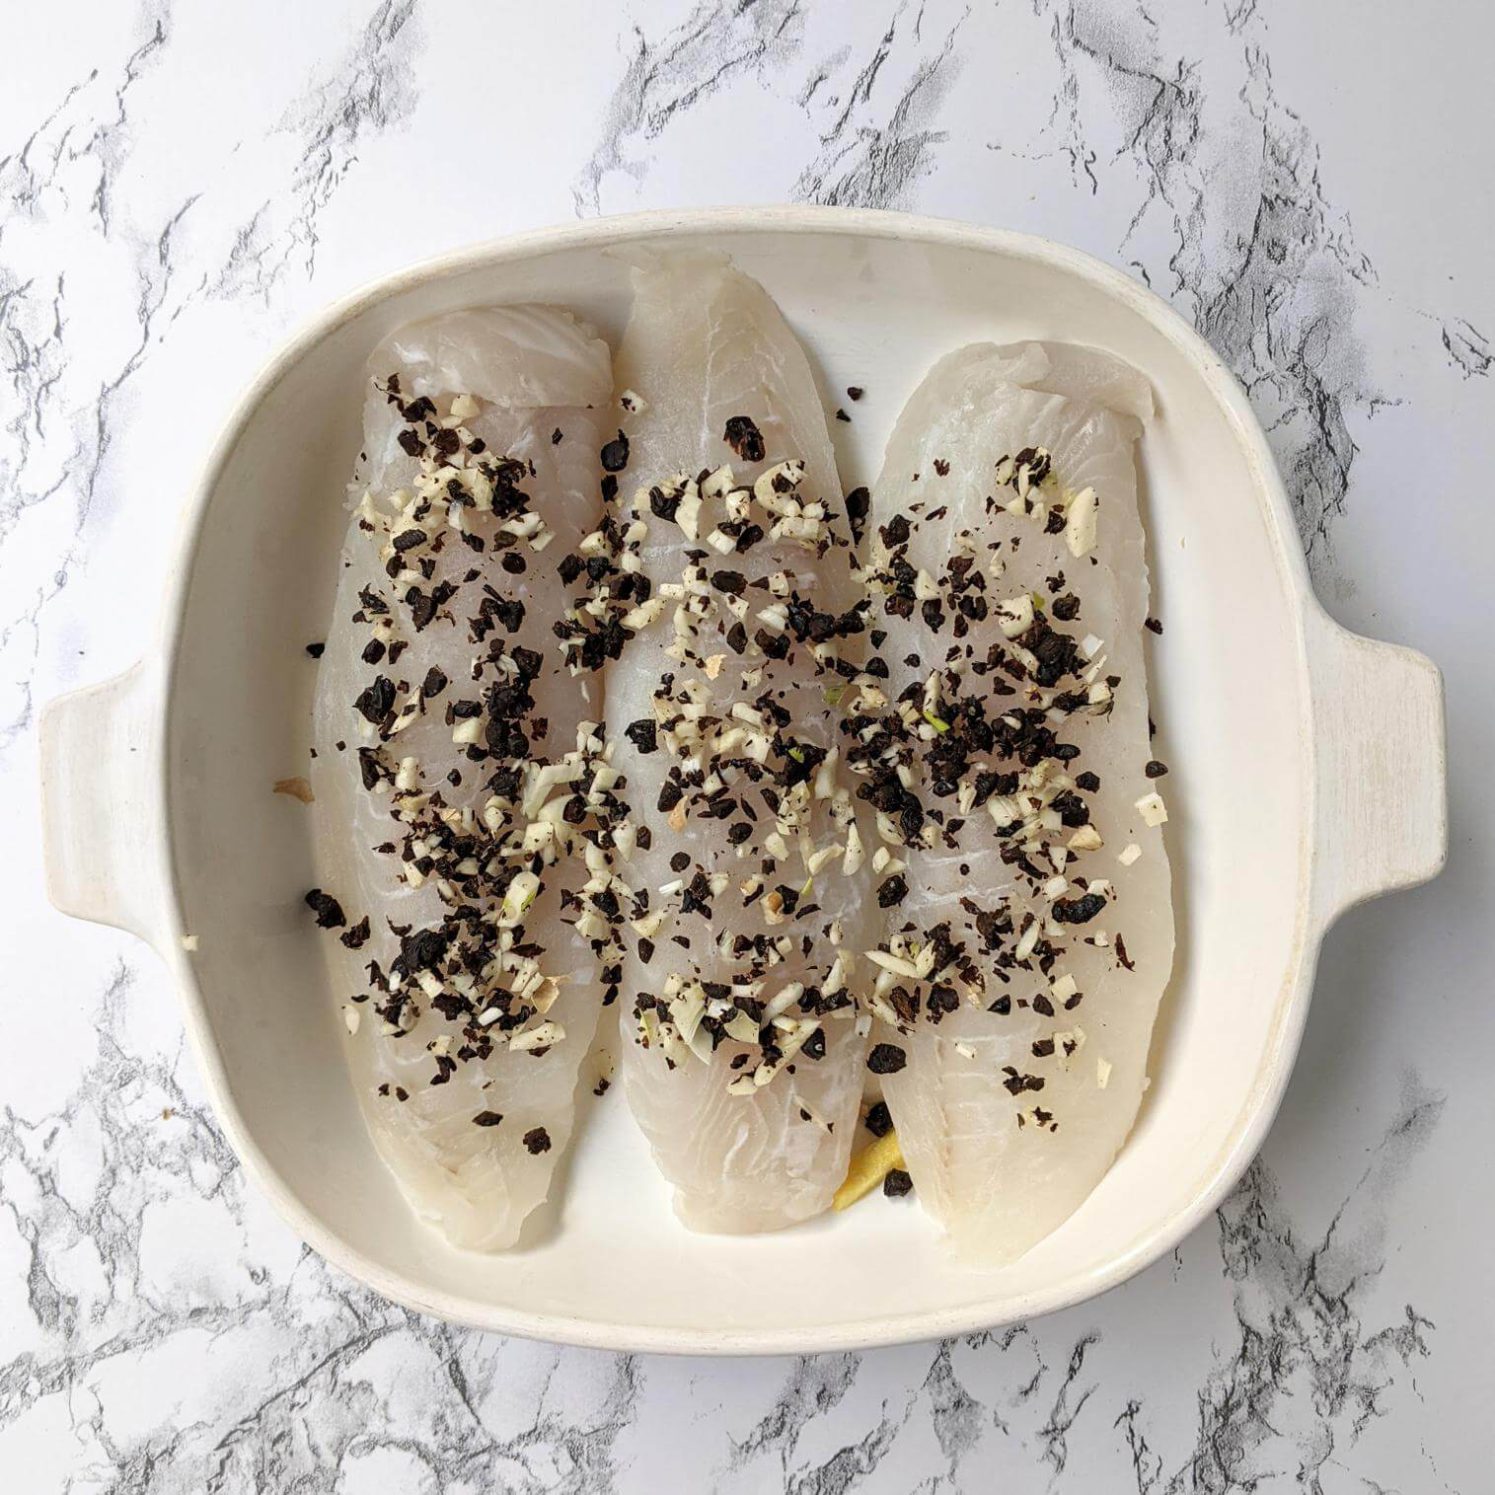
179, 186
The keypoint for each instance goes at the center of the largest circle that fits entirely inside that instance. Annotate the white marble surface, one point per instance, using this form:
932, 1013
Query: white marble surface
180, 185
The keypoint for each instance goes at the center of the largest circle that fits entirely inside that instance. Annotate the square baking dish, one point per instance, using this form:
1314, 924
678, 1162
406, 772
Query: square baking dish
1307, 775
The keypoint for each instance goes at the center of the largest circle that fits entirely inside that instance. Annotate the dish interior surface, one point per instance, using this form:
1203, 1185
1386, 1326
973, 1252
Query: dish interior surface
1230, 698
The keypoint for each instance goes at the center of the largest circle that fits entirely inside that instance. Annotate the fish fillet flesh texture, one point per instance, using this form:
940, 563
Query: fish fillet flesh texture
1023, 964
743, 1055
456, 778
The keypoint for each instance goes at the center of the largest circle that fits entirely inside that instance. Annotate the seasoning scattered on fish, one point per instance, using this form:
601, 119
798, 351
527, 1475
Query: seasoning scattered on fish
742, 1045
846, 805
1030, 939
461, 778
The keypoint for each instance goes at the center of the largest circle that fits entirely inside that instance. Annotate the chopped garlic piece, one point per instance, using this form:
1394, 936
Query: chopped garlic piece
1015, 615
541, 1036
1152, 809
1080, 523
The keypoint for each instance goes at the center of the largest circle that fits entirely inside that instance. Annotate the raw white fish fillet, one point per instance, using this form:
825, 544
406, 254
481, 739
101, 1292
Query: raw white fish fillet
425, 679
1009, 1118
706, 345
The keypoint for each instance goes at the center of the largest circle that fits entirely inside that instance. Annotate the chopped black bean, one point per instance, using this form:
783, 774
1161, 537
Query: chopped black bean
615, 454
744, 437
328, 910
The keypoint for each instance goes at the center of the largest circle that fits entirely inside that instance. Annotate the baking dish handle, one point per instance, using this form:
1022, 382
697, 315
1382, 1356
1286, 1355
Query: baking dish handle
1382, 816
100, 751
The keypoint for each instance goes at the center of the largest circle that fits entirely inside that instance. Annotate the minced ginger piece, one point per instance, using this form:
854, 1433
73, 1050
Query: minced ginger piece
868, 1169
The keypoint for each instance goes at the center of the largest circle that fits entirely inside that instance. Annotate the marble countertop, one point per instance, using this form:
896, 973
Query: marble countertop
1309, 184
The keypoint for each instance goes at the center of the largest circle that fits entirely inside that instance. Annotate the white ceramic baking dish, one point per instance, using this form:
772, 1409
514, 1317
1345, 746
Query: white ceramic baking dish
1308, 774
